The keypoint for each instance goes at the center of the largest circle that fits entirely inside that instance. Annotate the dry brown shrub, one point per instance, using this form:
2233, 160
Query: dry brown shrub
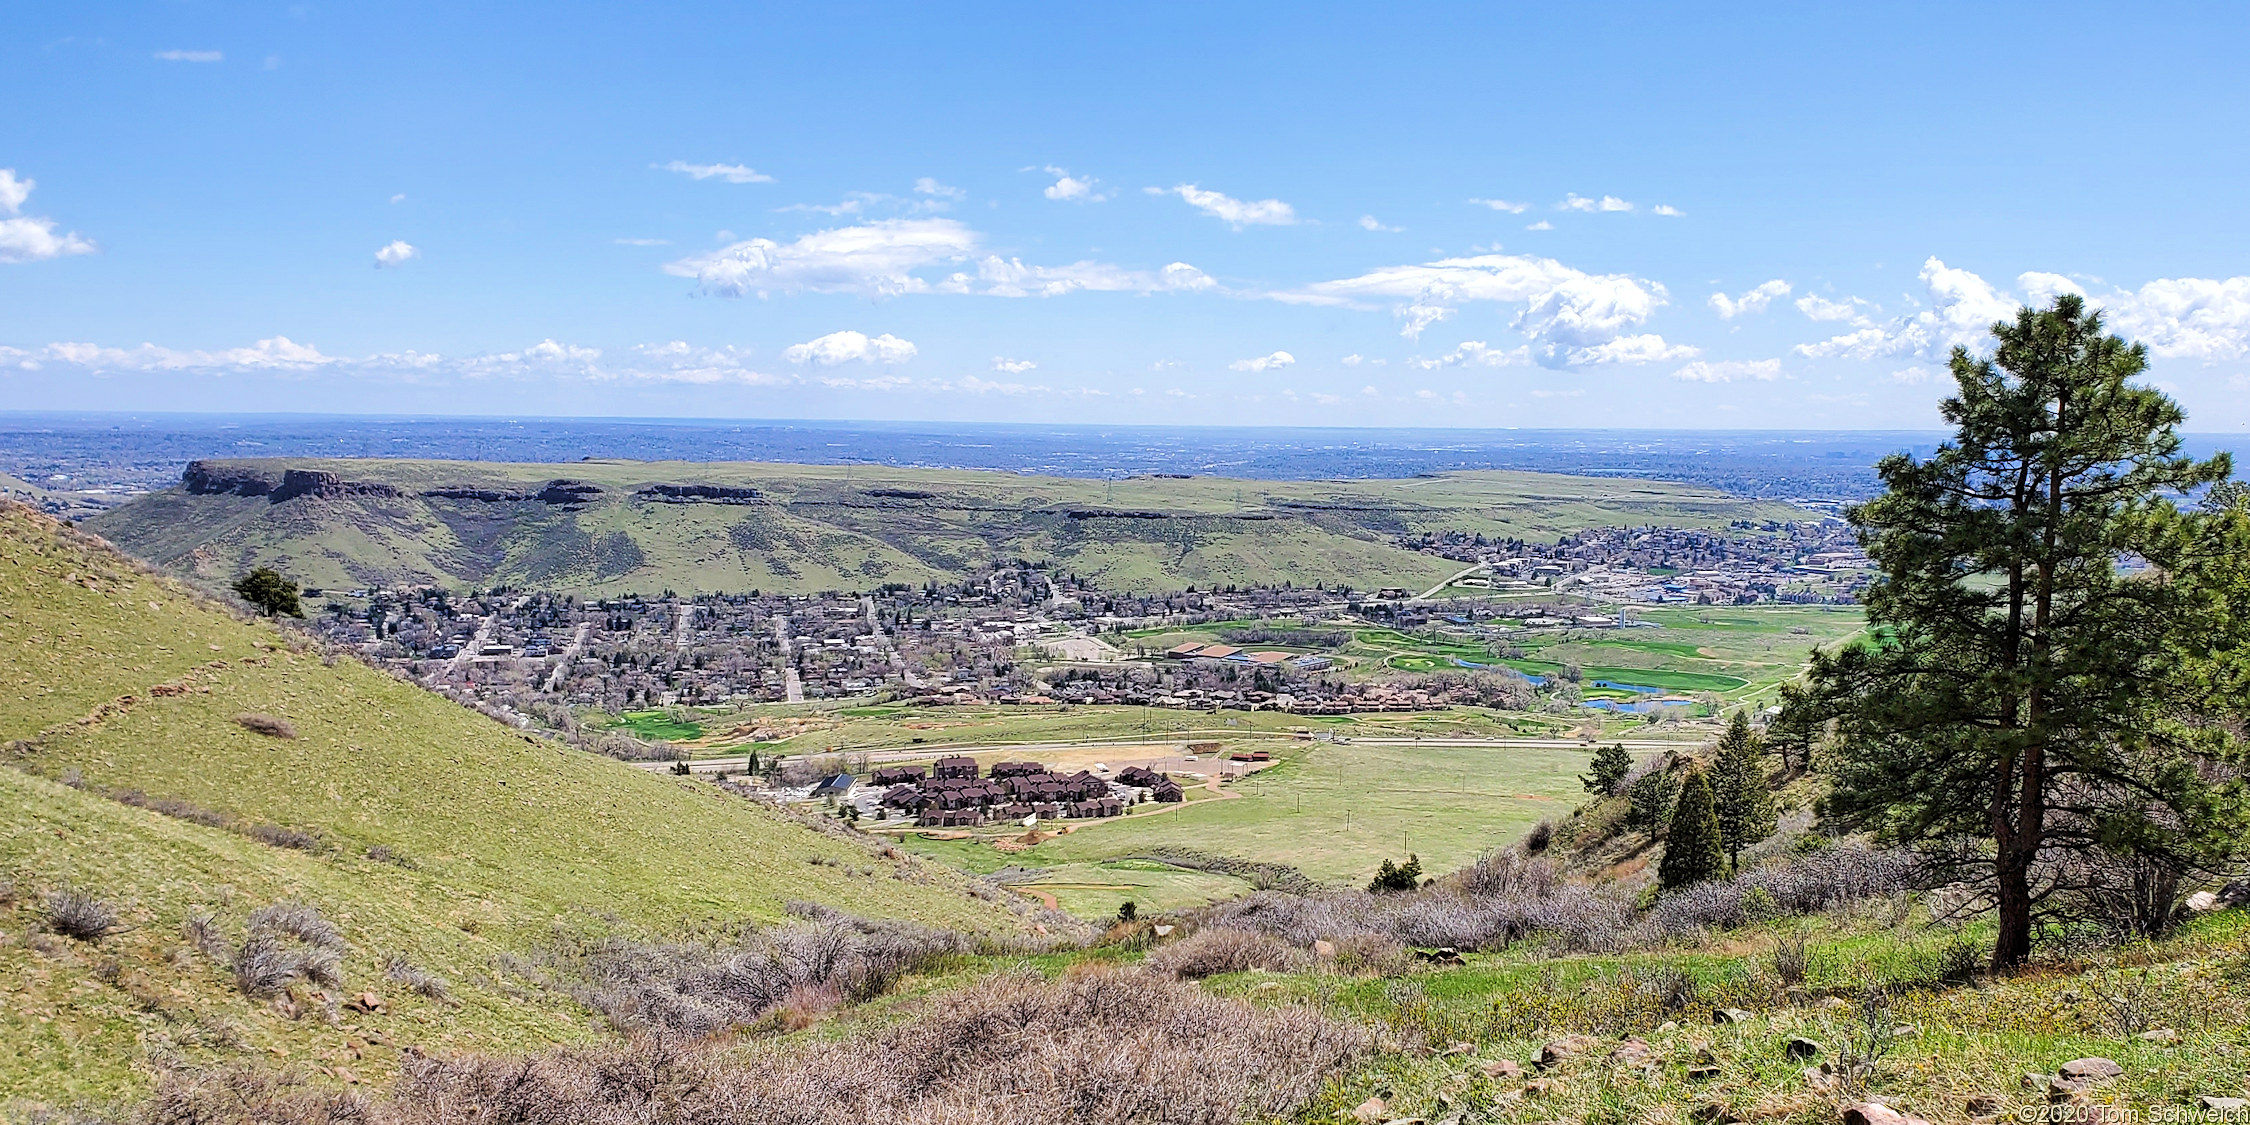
249, 1095
1370, 955
1013, 1050
78, 915
806, 1003
1207, 953
269, 725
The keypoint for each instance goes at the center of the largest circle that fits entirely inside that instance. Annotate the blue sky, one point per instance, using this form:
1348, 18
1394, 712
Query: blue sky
1651, 215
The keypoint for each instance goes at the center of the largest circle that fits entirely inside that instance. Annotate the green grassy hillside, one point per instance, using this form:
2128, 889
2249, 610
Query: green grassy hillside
435, 833
645, 526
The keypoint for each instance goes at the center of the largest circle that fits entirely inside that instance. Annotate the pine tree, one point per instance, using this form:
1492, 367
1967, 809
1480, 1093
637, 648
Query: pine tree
1692, 853
2019, 687
1610, 765
1745, 804
272, 594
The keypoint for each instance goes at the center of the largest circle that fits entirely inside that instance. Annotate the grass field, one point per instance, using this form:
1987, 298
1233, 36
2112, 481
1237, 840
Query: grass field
433, 832
1737, 652
824, 729
813, 527
1332, 811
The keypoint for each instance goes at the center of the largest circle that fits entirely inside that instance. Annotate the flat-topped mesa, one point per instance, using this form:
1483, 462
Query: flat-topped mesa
699, 494
556, 492
206, 478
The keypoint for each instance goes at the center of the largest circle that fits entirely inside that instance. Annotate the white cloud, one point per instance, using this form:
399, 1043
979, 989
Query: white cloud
1236, 212
276, 353
399, 198
976, 386
673, 362
1572, 201
1962, 310
1913, 376
1540, 225
1477, 353
1370, 222
731, 173
930, 187
1263, 363
1754, 301
1354, 360
1821, 308
14, 192
1419, 315
642, 241
1572, 318
1503, 205
1008, 366
1666, 209
30, 238
882, 259
1072, 189
873, 260
1644, 348
850, 347
397, 253
190, 56
2186, 317
1010, 277
1730, 370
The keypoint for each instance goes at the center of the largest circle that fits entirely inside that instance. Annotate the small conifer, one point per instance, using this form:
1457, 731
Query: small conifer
1693, 853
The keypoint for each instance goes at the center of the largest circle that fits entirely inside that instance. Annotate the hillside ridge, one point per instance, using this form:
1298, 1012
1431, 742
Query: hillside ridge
604, 527
173, 760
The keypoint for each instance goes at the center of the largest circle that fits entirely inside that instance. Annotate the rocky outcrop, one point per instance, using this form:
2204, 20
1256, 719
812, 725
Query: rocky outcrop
699, 494
563, 493
320, 482
205, 478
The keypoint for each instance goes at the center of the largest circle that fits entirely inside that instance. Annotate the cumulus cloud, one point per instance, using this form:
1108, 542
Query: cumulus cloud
1730, 370
1010, 277
885, 259
1850, 311
1572, 201
872, 260
1570, 317
850, 347
1503, 205
1235, 212
30, 238
1540, 225
731, 173
1646, 347
191, 56
1263, 363
1072, 189
673, 362
1370, 222
1008, 366
930, 187
1477, 353
1754, 301
1667, 210
396, 253
1962, 310
2186, 317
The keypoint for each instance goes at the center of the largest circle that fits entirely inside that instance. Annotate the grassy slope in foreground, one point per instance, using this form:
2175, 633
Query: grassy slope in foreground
504, 836
832, 527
